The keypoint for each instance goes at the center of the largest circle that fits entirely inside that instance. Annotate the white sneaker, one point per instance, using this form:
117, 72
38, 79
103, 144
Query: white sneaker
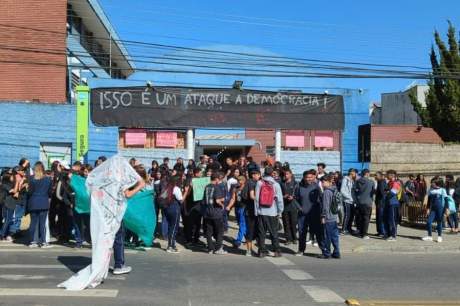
309, 242
46, 246
315, 244
33, 245
427, 238
439, 239
221, 252
122, 270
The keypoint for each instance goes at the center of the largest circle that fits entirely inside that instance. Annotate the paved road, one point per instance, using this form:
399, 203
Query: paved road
195, 278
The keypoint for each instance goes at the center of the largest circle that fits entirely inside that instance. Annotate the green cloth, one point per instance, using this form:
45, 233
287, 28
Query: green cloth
82, 197
140, 216
199, 184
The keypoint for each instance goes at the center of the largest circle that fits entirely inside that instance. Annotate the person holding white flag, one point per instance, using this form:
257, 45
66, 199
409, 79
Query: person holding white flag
110, 184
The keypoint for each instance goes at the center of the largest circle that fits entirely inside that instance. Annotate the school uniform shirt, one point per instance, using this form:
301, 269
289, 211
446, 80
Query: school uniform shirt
213, 193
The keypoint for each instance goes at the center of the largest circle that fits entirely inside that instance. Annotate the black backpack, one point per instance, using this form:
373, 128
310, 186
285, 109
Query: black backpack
164, 197
337, 202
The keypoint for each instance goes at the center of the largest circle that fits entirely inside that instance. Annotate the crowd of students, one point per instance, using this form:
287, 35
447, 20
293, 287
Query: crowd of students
314, 211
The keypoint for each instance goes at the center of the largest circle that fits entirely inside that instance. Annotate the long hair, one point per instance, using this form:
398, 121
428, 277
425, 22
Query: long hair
39, 171
172, 182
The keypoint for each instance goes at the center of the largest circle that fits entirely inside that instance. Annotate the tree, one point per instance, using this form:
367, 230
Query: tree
442, 111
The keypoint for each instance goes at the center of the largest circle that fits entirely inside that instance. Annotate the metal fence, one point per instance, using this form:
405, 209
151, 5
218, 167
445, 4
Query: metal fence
413, 212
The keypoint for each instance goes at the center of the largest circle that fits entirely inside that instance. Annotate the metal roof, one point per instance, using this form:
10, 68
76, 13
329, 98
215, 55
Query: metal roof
226, 142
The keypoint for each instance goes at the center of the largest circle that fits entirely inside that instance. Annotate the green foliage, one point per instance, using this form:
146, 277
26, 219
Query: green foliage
442, 111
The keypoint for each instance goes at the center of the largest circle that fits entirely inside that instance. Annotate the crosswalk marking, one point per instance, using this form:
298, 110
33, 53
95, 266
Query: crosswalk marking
96, 293
280, 261
323, 294
55, 249
24, 266
18, 277
296, 274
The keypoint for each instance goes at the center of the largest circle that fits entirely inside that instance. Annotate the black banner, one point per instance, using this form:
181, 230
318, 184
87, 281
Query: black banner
180, 107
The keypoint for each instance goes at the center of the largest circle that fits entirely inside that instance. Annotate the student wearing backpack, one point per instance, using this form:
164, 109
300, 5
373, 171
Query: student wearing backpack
290, 212
172, 212
392, 205
251, 218
308, 195
213, 203
451, 214
436, 207
364, 190
329, 215
269, 207
240, 197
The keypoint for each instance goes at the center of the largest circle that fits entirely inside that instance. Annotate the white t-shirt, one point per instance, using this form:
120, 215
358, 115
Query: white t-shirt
177, 193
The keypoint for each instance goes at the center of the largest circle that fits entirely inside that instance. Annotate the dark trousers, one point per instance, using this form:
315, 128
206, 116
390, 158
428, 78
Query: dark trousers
214, 227
251, 227
309, 222
172, 214
348, 217
392, 216
192, 226
436, 214
290, 224
330, 236
38, 218
119, 248
379, 219
453, 220
270, 224
8, 215
364, 217
83, 223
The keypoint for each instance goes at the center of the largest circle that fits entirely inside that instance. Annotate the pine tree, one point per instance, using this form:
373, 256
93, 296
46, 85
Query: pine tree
442, 111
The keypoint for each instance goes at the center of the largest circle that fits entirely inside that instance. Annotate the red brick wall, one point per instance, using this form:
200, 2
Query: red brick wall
28, 82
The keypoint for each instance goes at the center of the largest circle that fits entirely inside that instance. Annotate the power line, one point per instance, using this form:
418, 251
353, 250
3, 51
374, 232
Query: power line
210, 51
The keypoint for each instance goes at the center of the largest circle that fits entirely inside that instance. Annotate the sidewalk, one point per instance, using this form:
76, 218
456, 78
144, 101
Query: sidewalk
408, 241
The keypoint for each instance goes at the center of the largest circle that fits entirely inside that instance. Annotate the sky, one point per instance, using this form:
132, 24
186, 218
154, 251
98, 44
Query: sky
396, 32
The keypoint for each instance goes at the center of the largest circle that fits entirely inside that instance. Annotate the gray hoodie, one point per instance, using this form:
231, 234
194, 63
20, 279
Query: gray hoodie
347, 190
326, 201
278, 205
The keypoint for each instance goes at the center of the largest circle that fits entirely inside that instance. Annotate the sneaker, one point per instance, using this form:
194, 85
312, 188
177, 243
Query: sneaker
33, 245
172, 250
277, 254
323, 256
315, 244
248, 253
427, 238
46, 246
309, 242
391, 239
122, 270
366, 238
8, 239
335, 256
210, 252
439, 239
221, 252
299, 254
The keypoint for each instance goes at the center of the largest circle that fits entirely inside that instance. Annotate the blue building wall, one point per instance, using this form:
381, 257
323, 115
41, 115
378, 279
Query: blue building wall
356, 103
23, 126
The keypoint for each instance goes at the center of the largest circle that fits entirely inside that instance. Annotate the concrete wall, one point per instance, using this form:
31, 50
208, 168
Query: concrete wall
23, 126
406, 158
305, 160
145, 156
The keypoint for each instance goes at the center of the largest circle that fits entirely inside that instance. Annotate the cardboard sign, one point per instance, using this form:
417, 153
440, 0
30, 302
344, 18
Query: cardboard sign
324, 140
295, 140
135, 137
166, 139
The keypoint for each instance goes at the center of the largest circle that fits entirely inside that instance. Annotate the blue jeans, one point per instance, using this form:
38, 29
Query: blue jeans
436, 213
172, 214
38, 218
330, 235
392, 215
119, 248
453, 219
8, 215
164, 224
241, 216
82, 229
18, 214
